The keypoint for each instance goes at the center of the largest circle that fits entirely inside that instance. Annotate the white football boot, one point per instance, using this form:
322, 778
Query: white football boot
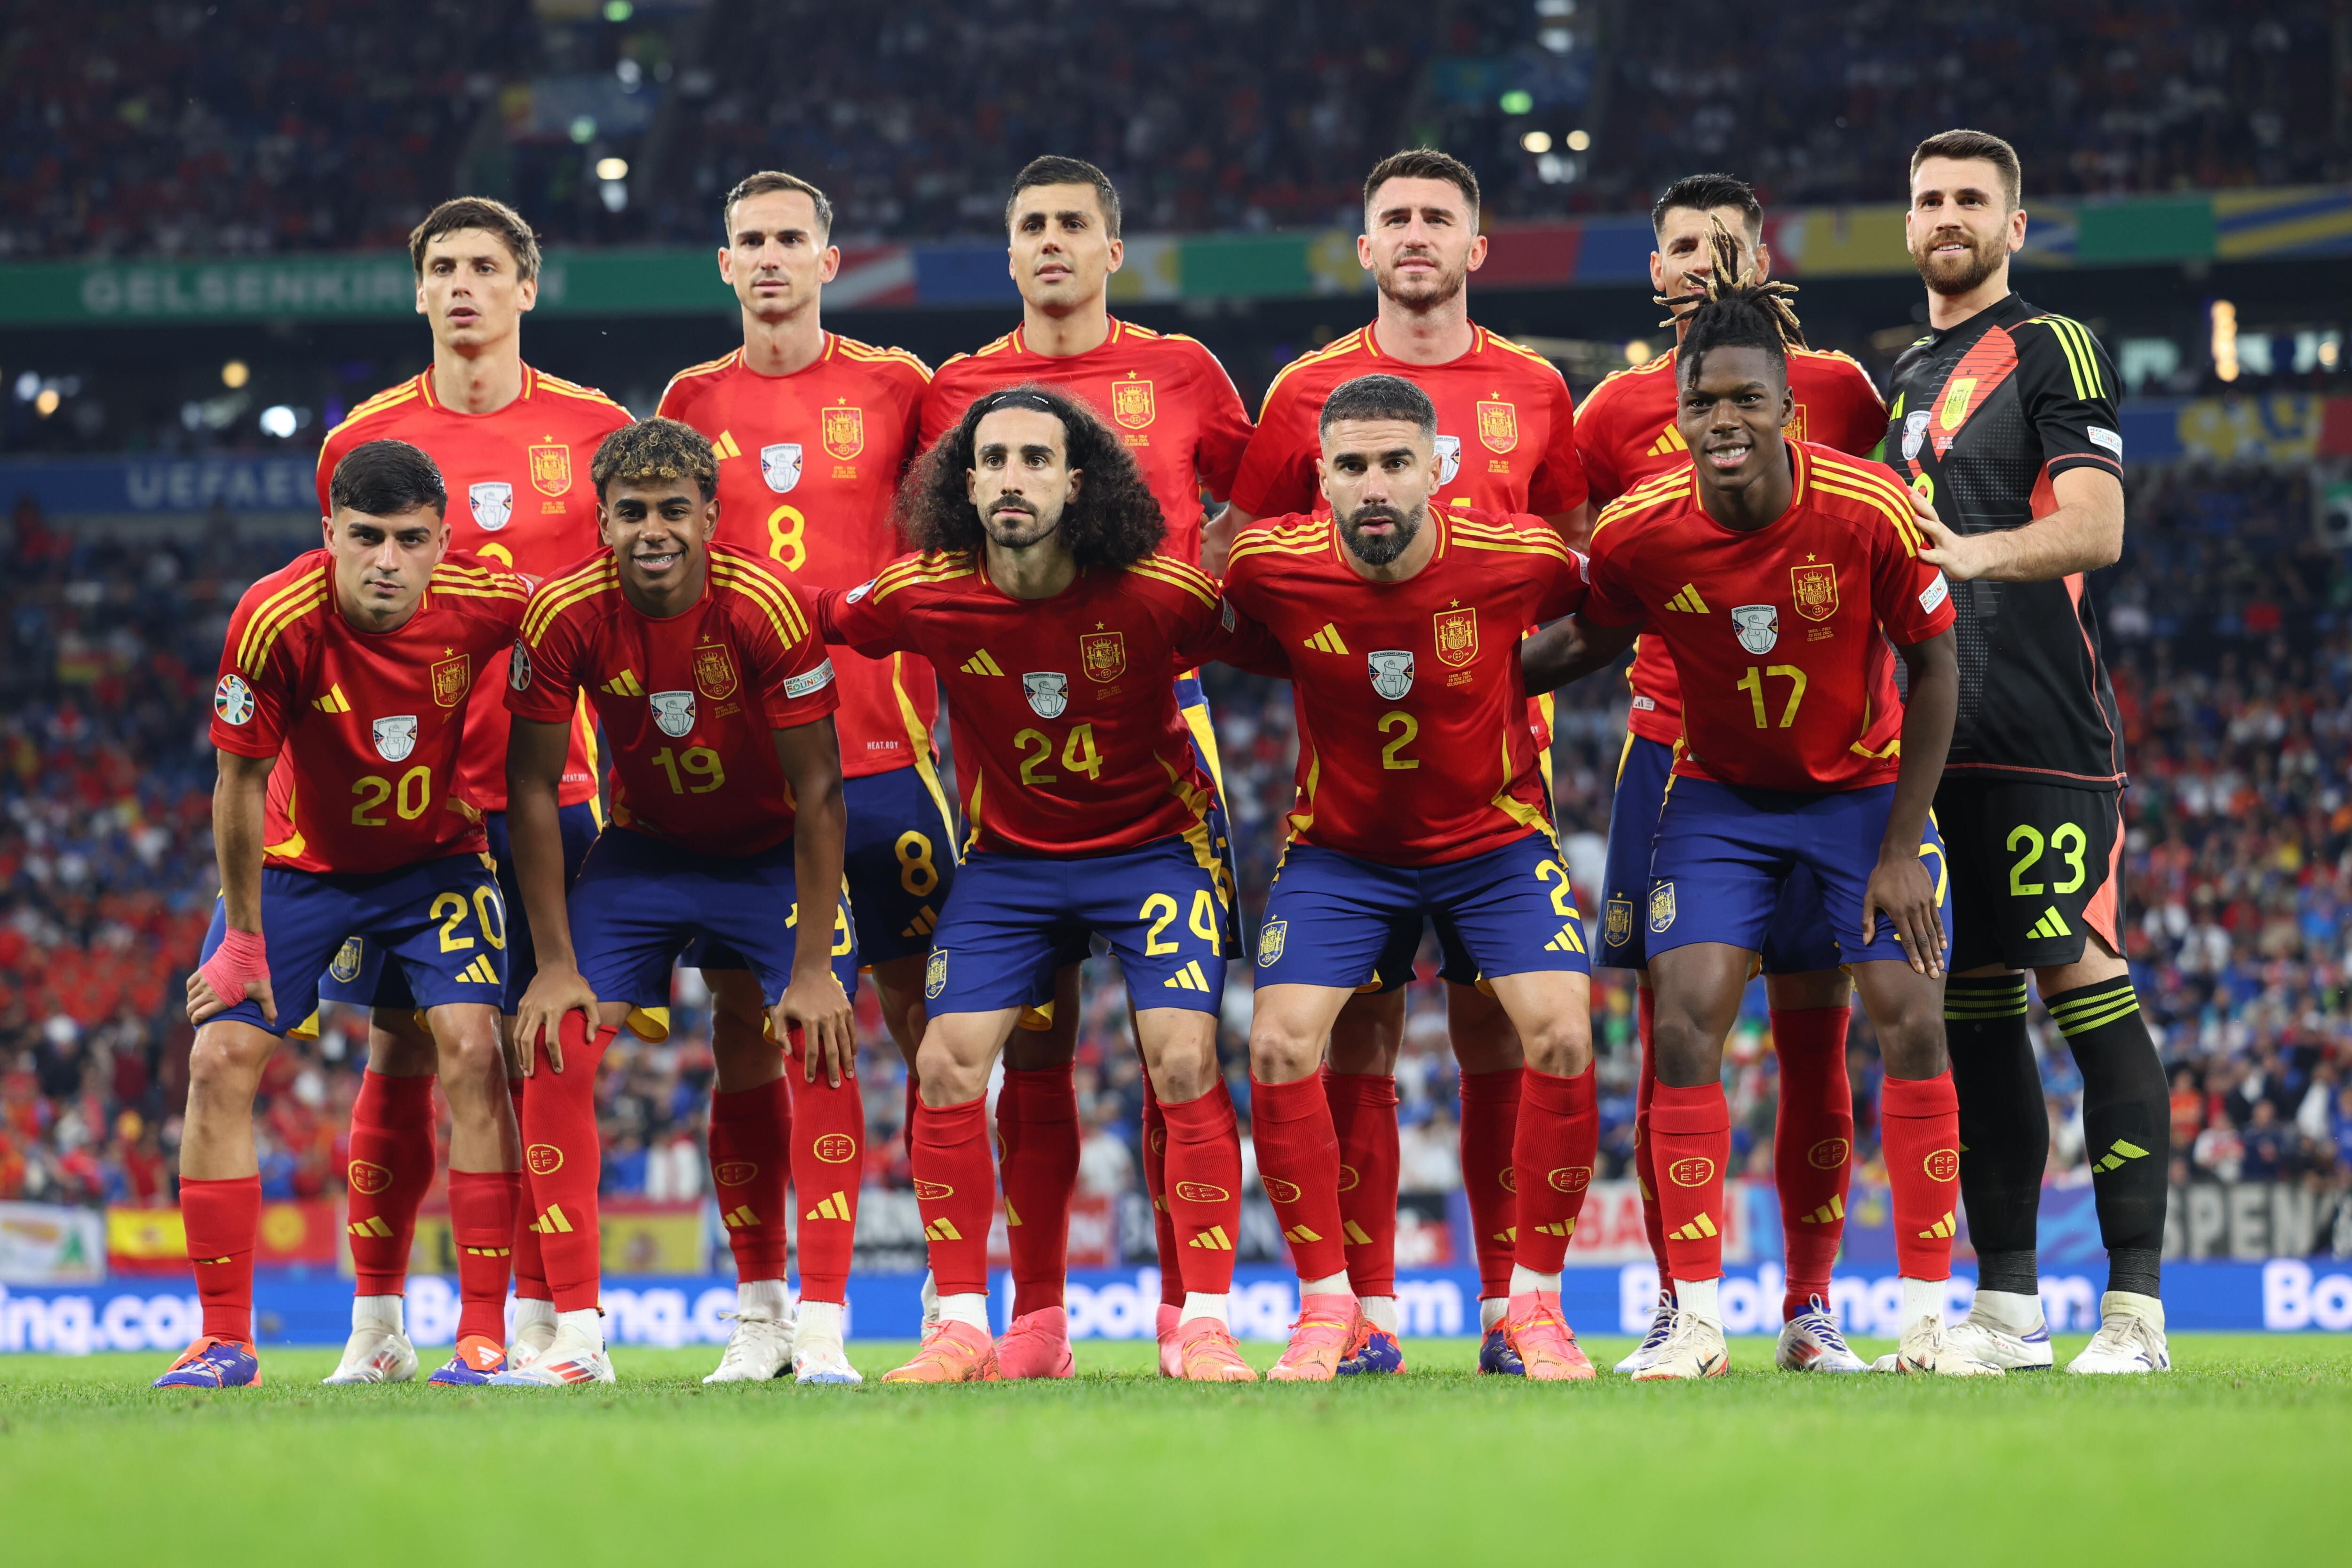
761, 1348
576, 1355
1927, 1349
1693, 1348
1662, 1323
1810, 1341
1985, 1336
534, 1331
2130, 1337
819, 1354
378, 1350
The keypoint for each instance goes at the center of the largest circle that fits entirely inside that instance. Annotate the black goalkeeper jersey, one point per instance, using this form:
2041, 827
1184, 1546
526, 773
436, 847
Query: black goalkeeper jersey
1985, 415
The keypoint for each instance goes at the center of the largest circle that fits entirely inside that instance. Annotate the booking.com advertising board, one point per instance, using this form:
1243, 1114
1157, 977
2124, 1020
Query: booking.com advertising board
2222, 1273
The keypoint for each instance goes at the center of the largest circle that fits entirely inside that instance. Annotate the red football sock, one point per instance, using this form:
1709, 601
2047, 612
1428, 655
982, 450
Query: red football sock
1037, 1128
1919, 1133
751, 1134
390, 1171
1645, 1175
222, 1219
1813, 1146
1691, 1128
1204, 1187
529, 1271
1559, 1139
481, 1227
565, 1159
1364, 1120
1298, 1165
1155, 1186
828, 1144
1490, 1120
954, 1189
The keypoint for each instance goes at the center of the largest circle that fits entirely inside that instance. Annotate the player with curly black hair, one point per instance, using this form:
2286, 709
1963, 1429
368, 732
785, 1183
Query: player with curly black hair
1059, 634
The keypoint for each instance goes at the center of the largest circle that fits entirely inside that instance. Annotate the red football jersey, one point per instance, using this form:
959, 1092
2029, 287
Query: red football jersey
688, 701
519, 496
366, 726
1165, 393
808, 464
1506, 428
1067, 737
1625, 433
1787, 682
1414, 744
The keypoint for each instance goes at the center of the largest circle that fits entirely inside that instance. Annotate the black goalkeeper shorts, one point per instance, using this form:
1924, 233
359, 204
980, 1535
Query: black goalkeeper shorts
2035, 869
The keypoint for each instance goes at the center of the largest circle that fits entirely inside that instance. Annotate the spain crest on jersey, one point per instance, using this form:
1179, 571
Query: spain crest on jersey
1618, 929
347, 959
714, 671
780, 465
1103, 655
551, 469
451, 678
493, 503
935, 974
1449, 458
842, 431
1815, 588
1498, 425
673, 713
1269, 942
1795, 428
1130, 404
1457, 637
1662, 907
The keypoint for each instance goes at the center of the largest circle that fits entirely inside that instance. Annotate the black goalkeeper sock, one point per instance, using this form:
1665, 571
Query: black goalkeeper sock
2127, 1125
2004, 1127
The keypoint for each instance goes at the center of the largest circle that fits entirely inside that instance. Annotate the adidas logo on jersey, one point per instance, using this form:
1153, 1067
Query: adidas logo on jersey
1187, 978
1568, 941
624, 685
1670, 441
1942, 1230
1354, 1234
1298, 1233
741, 1217
1688, 601
334, 701
1829, 1212
1700, 1229
1327, 640
552, 1222
925, 921
1212, 1240
943, 1229
836, 1206
725, 447
481, 971
981, 664
2050, 926
374, 1224
2121, 1150
1557, 1227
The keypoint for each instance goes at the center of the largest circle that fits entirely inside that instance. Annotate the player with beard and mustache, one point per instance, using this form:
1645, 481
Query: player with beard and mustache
2004, 423
1419, 797
1504, 443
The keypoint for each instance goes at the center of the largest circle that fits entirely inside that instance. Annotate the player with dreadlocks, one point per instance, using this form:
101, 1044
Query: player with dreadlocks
1777, 574
1710, 232
1041, 598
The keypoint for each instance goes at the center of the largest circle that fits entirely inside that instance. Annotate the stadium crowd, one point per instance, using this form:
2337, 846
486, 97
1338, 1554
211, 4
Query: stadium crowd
2228, 627
265, 125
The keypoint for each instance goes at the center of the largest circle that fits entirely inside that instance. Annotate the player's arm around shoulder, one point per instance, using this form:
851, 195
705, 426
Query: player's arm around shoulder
877, 617
1606, 618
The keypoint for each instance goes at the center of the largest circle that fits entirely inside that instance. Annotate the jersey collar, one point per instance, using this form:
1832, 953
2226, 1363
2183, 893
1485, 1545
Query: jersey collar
1019, 341
2008, 308
1371, 337
529, 386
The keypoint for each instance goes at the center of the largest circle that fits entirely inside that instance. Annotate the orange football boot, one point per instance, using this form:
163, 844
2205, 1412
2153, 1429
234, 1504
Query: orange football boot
951, 1353
1325, 1328
1036, 1345
1545, 1344
1207, 1353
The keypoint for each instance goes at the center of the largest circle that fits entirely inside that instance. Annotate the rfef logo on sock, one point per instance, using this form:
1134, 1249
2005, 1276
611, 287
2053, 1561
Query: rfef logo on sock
734, 1172
1943, 1165
1507, 1179
368, 1178
836, 1148
544, 1159
1277, 1190
932, 1192
1694, 1172
1828, 1155
1348, 1178
1202, 1192
1571, 1178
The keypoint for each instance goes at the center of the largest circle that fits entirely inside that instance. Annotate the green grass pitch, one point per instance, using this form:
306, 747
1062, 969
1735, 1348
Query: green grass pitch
2236, 1455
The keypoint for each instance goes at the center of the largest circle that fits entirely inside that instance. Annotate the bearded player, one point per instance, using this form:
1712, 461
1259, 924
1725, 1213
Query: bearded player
1778, 572
728, 825
1419, 797
1710, 226
812, 430
1506, 444
513, 444
338, 718
1060, 630
2004, 422
1176, 412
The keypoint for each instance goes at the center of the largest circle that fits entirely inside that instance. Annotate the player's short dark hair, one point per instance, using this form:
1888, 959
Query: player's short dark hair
766, 181
1981, 144
654, 448
1738, 311
386, 478
1056, 170
1706, 193
482, 213
1424, 163
1379, 397
1113, 522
